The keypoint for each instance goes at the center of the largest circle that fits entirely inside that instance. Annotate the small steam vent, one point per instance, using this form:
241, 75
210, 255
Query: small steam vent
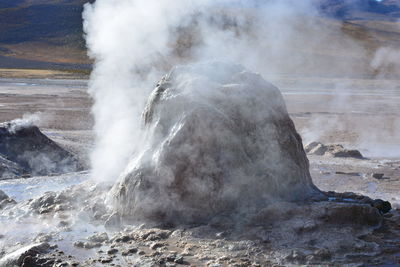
217, 139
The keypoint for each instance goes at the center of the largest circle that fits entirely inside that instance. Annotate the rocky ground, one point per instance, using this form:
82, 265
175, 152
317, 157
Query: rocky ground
337, 229
67, 224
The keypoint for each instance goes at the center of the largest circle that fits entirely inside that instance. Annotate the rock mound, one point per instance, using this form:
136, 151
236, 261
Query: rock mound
334, 150
217, 138
25, 149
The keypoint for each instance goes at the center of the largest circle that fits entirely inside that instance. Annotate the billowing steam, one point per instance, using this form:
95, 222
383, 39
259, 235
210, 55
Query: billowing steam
135, 42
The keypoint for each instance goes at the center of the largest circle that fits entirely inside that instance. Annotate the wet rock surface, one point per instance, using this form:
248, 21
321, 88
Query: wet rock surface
340, 228
25, 256
24, 149
213, 143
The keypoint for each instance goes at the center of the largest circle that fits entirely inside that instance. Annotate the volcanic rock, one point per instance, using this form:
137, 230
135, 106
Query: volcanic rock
381, 205
31, 151
18, 257
378, 175
9, 169
334, 150
217, 138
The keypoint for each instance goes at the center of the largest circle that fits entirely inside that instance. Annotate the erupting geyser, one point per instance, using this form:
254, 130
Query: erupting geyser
217, 138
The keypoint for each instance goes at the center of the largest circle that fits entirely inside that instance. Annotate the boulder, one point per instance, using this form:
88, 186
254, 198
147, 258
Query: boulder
216, 138
31, 151
333, 150
338, 151
316, 148
381, 205
17, 257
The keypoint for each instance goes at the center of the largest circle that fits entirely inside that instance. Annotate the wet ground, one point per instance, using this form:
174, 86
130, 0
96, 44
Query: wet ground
362, 114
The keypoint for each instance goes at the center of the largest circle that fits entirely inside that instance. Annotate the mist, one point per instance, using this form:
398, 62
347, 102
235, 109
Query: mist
134, 43
202, 109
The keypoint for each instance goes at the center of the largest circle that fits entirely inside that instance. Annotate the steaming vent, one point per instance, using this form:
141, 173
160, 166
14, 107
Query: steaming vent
24, 149
217, 138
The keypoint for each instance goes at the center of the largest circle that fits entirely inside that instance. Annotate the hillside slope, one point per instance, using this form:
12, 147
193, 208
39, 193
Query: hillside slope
47, 34
387, 10
40, 31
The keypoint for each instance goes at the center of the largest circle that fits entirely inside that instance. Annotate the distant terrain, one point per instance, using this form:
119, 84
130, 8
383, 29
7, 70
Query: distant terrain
386, 10
47, 34
42, 34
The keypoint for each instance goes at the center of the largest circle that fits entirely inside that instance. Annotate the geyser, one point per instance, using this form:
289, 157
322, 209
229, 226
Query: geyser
217, 138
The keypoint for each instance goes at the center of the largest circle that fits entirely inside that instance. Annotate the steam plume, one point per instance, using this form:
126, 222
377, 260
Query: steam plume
135, 42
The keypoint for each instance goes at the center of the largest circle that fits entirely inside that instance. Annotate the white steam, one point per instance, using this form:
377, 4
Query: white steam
27, 120
134, 43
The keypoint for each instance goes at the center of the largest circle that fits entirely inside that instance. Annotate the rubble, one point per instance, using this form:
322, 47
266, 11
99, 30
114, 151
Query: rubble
332, 150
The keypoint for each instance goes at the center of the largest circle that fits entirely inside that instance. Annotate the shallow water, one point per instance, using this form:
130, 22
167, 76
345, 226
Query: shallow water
20, 227
27, 188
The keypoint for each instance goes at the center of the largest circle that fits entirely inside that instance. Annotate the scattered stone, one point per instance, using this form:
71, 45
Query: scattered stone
47, 202
17, 258
349, 173
381, 205
179, 260
112, 251
340, 152
106, 260
334, 150
122, 239
378, 175
98, 238
129, 251
156, 245
79, 244
87, 245
158, 235
315, 148
43, 237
